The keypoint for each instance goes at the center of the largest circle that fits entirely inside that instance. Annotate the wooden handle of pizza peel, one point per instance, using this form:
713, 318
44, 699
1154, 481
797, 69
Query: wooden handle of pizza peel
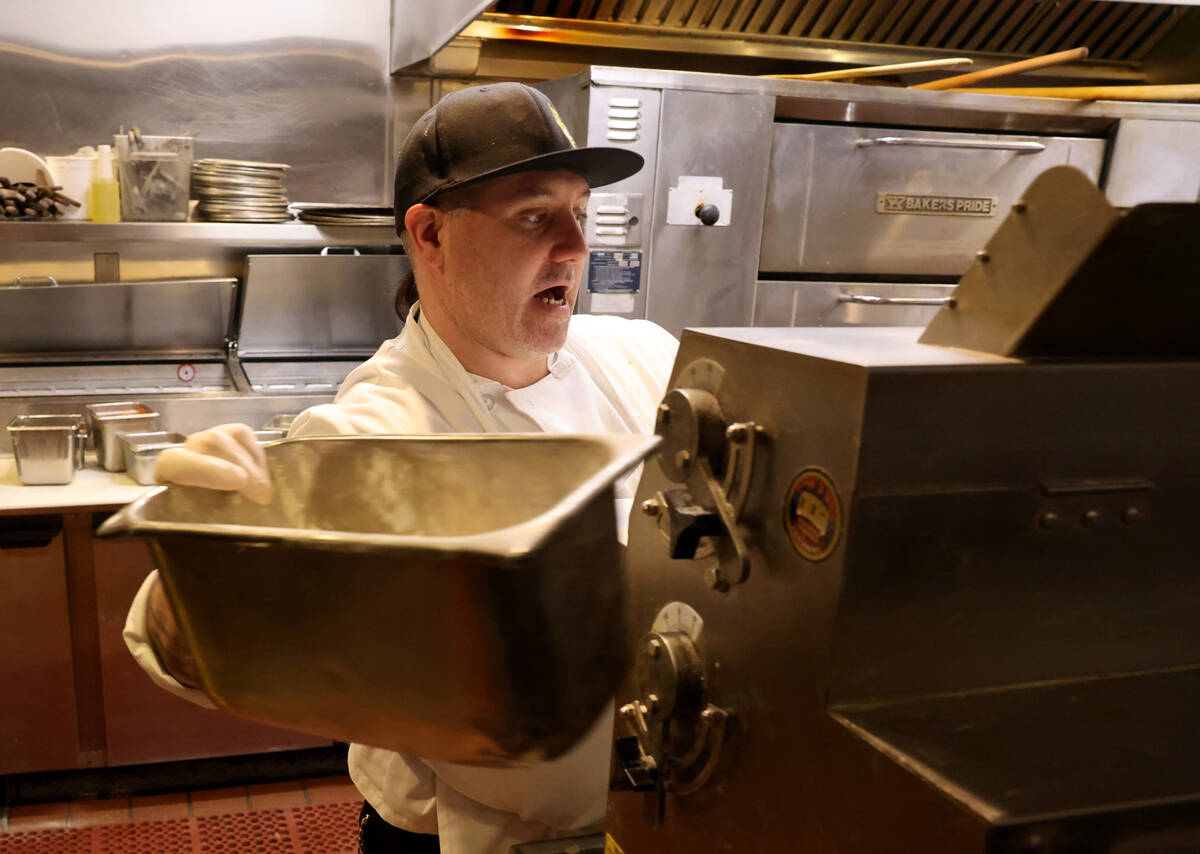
960, 80
1161, 92
874, 70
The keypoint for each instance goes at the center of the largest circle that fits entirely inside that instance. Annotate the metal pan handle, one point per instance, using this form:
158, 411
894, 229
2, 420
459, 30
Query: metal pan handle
81, 439
1020, 147
867, 299
35, 282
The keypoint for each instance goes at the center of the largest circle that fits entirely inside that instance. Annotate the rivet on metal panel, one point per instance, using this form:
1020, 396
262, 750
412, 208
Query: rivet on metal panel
1048, 520
1033, 843
716, 579
1131, 515
652, 507
983, 256
1091, 518
1019, 207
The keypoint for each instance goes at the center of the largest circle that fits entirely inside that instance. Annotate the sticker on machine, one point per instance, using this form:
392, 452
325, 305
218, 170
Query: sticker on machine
812, 514
614, 271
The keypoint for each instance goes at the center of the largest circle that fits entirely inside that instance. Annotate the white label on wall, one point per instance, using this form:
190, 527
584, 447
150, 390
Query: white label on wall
690, 191
612, 304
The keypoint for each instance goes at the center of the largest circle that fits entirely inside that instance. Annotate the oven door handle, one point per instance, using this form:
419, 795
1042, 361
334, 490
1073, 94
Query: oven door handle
1020, 147
867, 299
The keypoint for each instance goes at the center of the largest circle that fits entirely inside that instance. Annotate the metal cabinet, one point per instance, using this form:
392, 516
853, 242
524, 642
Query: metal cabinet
71, 696
143, 723
37, 687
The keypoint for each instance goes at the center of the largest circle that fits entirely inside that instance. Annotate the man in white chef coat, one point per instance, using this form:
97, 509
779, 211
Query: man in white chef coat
490, 195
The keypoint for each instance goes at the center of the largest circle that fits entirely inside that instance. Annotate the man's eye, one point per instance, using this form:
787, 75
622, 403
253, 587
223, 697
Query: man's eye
581, 218
534, 218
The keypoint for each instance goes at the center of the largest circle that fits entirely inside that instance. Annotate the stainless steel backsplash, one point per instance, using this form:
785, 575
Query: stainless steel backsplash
304, 83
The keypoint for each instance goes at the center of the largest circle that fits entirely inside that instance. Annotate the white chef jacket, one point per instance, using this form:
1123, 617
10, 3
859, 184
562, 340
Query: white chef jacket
608, 378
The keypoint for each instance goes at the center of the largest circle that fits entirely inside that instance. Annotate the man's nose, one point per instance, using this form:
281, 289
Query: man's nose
570, 244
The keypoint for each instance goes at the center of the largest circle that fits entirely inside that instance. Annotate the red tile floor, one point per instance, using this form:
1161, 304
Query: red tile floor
316, 816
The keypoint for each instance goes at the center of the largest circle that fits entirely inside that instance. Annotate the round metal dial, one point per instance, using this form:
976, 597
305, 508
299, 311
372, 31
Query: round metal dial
703, 374
679, 617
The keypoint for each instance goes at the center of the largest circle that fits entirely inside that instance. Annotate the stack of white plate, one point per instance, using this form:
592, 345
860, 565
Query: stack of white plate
240, 191
329, 214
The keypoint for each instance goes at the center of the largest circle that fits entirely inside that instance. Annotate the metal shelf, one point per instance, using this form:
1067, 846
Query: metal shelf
226, 234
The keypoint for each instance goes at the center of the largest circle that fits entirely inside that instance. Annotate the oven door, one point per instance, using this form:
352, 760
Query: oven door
896, 202
783, 303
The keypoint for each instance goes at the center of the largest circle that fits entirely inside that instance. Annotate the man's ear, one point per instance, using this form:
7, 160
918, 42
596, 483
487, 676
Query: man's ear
424, 224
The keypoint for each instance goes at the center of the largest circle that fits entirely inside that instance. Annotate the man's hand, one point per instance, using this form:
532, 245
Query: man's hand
226, 458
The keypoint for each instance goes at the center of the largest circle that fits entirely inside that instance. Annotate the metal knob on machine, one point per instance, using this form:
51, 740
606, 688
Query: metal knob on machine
678, 733
691, 424
671, 676
713, 461
708, 213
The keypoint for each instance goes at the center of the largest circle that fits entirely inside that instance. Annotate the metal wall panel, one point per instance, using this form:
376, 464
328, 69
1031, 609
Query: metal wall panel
638, 190
303, 83
700, 275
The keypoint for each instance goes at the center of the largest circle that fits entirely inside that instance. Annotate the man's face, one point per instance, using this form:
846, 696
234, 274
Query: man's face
513, 256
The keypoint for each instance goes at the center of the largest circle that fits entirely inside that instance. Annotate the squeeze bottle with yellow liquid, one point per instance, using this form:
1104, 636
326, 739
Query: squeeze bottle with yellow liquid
104, 198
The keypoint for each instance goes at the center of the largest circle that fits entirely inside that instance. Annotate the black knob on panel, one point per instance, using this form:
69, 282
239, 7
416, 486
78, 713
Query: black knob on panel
707, 213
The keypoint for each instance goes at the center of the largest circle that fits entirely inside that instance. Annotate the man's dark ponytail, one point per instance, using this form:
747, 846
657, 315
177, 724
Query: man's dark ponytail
406, 294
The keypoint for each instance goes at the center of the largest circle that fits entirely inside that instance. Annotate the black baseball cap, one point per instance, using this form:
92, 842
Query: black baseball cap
488, 131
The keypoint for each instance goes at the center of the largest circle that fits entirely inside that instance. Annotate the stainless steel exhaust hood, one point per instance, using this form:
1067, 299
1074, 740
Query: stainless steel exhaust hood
1124, 38
420, 29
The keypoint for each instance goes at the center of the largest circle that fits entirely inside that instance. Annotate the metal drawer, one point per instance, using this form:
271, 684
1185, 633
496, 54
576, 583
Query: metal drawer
878, 200
846, 303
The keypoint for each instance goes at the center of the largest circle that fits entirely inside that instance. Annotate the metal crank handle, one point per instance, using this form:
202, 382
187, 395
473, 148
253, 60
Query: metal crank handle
867, 299
1020, 147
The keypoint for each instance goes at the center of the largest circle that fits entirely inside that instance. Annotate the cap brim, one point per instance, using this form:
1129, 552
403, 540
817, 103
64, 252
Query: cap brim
598, 166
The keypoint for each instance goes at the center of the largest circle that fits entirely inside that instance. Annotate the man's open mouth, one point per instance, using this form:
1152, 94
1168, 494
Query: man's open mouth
556, 295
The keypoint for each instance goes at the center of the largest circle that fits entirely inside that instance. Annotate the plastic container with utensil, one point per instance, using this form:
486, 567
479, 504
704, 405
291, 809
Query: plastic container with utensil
155, 176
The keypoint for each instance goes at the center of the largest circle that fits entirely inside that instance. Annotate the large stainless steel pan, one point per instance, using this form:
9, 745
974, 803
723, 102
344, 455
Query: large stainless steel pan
455, 597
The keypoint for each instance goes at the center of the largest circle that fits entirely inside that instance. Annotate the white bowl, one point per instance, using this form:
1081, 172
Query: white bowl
17, 164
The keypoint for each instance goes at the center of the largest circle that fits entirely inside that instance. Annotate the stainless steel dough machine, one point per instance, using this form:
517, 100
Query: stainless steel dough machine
897, 590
